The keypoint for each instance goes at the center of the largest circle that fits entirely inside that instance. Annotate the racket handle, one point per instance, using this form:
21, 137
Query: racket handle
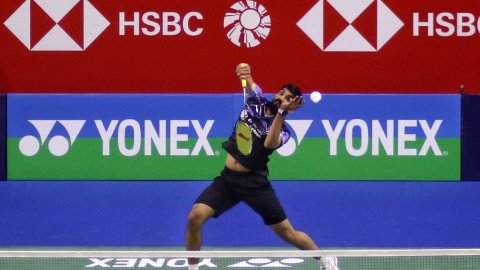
244, 82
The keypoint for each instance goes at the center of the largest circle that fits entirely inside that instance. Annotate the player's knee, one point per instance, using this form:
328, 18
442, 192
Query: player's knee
197, 217
194, 218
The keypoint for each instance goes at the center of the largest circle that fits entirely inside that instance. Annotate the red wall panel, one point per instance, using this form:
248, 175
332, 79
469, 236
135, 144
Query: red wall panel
405, 62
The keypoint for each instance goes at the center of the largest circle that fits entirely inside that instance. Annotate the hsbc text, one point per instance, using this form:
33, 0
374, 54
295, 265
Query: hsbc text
154, 23
446, 24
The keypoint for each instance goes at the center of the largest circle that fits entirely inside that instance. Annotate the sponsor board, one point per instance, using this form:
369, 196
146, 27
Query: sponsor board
360, 46
178, 137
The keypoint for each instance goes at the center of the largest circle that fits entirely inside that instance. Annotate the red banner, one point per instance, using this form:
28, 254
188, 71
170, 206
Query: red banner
148, 46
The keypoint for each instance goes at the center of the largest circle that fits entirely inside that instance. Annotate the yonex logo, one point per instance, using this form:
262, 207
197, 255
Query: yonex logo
49, 25
182, 262
392, 138
266, 262
248, 23
300, 127
57, 145
350, 25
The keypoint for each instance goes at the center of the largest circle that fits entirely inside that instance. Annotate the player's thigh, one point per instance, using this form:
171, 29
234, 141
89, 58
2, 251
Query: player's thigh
265, 202
218, 196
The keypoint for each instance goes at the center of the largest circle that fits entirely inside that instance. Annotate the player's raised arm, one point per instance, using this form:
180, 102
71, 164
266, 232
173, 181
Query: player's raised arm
289, 103
243, 72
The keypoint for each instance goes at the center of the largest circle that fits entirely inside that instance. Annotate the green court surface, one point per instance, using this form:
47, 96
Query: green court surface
246, 259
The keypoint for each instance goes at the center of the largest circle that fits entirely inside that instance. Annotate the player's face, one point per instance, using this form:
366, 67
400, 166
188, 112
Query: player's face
284, 95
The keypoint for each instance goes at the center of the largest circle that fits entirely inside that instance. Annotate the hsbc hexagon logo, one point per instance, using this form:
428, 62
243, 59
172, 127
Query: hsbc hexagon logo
51, 25
350, 25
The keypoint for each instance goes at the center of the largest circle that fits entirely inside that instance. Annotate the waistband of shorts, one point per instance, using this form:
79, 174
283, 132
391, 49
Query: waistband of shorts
257, 172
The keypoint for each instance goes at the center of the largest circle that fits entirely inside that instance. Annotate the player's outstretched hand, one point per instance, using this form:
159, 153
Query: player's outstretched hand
293, 104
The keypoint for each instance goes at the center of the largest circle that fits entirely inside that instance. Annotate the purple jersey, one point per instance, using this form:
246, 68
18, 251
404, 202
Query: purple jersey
246, 144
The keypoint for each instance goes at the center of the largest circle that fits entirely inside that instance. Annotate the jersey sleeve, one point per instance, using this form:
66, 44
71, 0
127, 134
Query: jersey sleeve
257, 92
284, 137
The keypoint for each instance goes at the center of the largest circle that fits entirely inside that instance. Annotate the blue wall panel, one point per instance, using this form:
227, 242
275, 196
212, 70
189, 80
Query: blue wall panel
153, 213
335, 213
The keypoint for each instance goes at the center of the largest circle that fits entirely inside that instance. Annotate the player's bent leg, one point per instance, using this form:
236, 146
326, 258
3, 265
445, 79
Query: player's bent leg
302, 241
297, 238
193, 237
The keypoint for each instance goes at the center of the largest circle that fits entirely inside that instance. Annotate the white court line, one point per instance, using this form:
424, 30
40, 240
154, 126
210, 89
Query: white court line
236, 253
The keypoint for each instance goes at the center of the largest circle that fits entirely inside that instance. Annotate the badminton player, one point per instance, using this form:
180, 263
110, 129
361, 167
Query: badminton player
259, 130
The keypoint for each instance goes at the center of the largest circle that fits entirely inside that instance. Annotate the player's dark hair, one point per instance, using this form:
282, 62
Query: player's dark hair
293, 89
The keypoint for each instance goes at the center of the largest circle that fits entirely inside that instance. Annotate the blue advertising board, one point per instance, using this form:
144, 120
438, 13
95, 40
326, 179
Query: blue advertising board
140, 137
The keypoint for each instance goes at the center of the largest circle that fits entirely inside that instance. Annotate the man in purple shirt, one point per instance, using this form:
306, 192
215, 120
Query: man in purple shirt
258, 132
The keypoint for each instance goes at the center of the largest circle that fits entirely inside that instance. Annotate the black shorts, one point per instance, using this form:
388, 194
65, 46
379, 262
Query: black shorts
255, 190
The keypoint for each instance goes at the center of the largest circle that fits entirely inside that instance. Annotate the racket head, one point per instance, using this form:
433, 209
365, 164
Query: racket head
244, 138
